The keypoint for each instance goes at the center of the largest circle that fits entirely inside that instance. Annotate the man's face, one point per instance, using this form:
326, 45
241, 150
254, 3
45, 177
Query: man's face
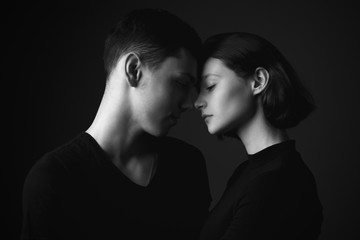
165, 93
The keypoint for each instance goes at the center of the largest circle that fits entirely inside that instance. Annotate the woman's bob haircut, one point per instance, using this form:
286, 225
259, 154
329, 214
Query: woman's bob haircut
285, 100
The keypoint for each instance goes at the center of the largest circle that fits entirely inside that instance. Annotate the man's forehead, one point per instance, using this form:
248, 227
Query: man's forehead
190, 76
183, 66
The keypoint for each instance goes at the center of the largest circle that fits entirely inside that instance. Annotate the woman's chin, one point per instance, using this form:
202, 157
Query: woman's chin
214, 131
211, 131
223, 132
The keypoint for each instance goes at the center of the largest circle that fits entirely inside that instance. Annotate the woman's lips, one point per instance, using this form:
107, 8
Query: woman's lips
206, 116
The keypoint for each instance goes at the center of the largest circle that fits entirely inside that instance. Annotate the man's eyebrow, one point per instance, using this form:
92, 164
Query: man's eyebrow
191, 77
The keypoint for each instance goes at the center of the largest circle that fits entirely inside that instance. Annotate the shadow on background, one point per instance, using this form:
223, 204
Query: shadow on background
54, 70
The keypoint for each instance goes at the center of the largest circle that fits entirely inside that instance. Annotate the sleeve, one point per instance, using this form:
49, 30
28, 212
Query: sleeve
203, 189
201, 193
263, 210
42, 215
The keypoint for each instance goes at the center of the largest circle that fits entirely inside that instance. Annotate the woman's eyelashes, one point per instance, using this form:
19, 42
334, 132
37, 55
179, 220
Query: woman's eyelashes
210, 88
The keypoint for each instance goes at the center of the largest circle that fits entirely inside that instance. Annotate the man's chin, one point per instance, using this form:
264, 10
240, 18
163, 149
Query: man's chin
160, 132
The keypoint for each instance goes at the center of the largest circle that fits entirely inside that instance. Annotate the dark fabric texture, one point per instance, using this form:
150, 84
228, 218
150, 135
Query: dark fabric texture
272, 195
75, 192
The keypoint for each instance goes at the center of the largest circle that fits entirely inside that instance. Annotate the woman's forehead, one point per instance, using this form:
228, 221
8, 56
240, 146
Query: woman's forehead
216, 68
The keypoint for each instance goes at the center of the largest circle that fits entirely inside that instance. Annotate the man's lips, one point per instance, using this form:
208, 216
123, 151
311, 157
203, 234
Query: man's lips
175, 117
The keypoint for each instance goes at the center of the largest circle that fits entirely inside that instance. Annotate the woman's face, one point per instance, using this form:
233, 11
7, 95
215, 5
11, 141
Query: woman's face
226, 100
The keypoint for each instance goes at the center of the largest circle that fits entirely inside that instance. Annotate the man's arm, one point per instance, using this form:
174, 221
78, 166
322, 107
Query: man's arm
42, 211
201, 192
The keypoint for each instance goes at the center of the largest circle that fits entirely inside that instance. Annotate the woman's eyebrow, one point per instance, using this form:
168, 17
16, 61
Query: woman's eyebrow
204, 77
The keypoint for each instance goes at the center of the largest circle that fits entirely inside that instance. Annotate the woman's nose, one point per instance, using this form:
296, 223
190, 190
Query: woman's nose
199, 103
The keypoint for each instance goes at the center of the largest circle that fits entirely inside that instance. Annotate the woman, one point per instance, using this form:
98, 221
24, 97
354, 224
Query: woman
249, 91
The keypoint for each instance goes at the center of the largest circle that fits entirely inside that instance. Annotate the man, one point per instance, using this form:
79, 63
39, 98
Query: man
123, 178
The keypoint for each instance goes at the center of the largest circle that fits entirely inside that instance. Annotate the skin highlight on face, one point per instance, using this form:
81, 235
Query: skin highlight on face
165, 93
226, 100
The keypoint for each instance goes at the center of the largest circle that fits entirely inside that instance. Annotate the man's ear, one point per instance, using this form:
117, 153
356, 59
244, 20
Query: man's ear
132, 69
261, 79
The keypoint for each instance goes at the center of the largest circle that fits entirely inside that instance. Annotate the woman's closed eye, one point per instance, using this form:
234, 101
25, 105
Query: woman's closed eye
210, 88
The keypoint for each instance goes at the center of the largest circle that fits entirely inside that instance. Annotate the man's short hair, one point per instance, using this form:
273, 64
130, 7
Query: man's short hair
153, 34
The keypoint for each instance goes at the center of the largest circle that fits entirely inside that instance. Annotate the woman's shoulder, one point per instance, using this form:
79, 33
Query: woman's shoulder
287, 174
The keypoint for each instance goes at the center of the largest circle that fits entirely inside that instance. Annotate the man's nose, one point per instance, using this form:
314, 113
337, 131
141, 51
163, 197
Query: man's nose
188, 102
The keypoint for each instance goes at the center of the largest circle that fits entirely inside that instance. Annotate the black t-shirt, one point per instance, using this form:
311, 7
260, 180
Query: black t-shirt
272, 195
75, 192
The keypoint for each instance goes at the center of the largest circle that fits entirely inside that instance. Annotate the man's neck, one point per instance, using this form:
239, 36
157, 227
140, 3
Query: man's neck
129, 148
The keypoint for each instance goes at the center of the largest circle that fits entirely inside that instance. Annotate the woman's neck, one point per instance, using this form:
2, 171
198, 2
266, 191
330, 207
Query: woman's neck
258, 134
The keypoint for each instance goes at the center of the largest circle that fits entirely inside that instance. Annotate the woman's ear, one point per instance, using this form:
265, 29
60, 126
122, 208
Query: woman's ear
261, 79
132, 69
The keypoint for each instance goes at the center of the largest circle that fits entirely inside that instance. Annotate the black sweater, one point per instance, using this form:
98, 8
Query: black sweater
75, 192
272, 195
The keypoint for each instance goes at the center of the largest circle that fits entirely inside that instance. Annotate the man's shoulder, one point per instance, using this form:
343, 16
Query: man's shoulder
175, 145
54, 170
181, 151
60, 155
179, 157
57, 161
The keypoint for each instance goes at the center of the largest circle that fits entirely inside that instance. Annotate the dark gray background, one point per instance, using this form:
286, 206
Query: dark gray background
53, 80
